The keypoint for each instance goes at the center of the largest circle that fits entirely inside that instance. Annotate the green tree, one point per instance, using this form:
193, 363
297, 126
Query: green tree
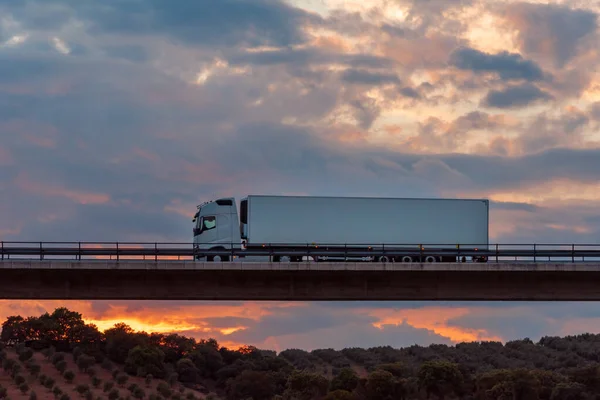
305, 386
339, 395
145, 360
440, 378
568, 391
187, 371
257, 385
346, 380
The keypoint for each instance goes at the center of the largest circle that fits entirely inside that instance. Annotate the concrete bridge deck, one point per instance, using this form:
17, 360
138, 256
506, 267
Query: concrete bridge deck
189, 280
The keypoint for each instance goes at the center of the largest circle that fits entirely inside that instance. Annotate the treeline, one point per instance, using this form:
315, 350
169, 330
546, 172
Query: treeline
554, 368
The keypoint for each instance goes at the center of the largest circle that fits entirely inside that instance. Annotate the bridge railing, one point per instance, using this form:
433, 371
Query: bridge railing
505, 252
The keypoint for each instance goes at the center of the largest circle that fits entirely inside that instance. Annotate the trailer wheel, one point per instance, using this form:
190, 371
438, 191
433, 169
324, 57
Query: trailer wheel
407, 259
430, 259
384, 259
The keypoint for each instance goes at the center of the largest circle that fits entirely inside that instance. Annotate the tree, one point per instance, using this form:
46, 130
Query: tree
144, 360
346, 380
120, 339
84, 362
339, 395
441, 378
187, 371
382, 385
305, 386
207, 359
13, 330
257, 385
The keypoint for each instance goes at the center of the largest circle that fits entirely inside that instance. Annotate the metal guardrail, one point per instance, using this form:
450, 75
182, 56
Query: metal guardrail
187, 251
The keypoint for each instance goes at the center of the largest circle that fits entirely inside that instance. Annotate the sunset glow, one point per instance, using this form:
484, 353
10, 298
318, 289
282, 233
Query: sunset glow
116, 121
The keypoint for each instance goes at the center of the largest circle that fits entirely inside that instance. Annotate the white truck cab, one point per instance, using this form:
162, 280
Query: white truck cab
216, 228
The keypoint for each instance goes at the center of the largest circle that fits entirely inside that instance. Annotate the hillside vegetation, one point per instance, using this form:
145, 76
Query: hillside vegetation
59, 356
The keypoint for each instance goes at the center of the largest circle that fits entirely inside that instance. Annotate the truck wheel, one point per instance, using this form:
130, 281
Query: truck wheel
407, 259
430, 259
383, 259
217, 258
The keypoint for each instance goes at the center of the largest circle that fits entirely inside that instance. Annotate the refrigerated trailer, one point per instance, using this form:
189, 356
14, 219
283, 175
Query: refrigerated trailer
357, 228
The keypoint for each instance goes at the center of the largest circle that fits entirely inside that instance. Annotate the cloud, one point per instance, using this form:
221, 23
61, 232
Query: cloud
117, 118
552, 31
368, 78
508, 66
516, 96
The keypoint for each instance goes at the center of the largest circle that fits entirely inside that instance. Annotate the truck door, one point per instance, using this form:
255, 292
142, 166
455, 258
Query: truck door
224, 230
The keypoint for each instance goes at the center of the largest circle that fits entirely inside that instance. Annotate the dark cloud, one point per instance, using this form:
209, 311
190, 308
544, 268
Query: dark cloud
297, 321
516, 96
555, 31
508, 66
196, 23
338, 338
410, 92
305, 57
368, 78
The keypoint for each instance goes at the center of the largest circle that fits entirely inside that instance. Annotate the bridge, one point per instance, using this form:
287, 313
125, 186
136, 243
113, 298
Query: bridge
161, 272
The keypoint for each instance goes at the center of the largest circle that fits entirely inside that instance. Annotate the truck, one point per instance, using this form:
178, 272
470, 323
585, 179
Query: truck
372, 229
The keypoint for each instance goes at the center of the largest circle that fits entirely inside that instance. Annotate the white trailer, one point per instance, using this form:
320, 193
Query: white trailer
354, 225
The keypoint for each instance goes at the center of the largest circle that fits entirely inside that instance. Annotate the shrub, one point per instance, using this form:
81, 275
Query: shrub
24, 387
82, 388
57, 357
19, 348
7, 364
84, 362
106, 364
49, 382
139, 393
108, 386
96, 381
69, 376
65, 397
19, 379
148, 380
113, 395
16, 368
61, 366
25, 355
34, 369
122, 379
164, 389
76, 353
32, 395
57, 391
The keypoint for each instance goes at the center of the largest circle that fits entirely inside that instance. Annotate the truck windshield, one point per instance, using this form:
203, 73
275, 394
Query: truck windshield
208, 223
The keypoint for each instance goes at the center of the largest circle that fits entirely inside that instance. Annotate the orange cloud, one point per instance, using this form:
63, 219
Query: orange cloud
163, 317
434, 319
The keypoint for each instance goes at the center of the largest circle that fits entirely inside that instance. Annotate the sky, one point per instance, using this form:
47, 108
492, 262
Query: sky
118, 117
